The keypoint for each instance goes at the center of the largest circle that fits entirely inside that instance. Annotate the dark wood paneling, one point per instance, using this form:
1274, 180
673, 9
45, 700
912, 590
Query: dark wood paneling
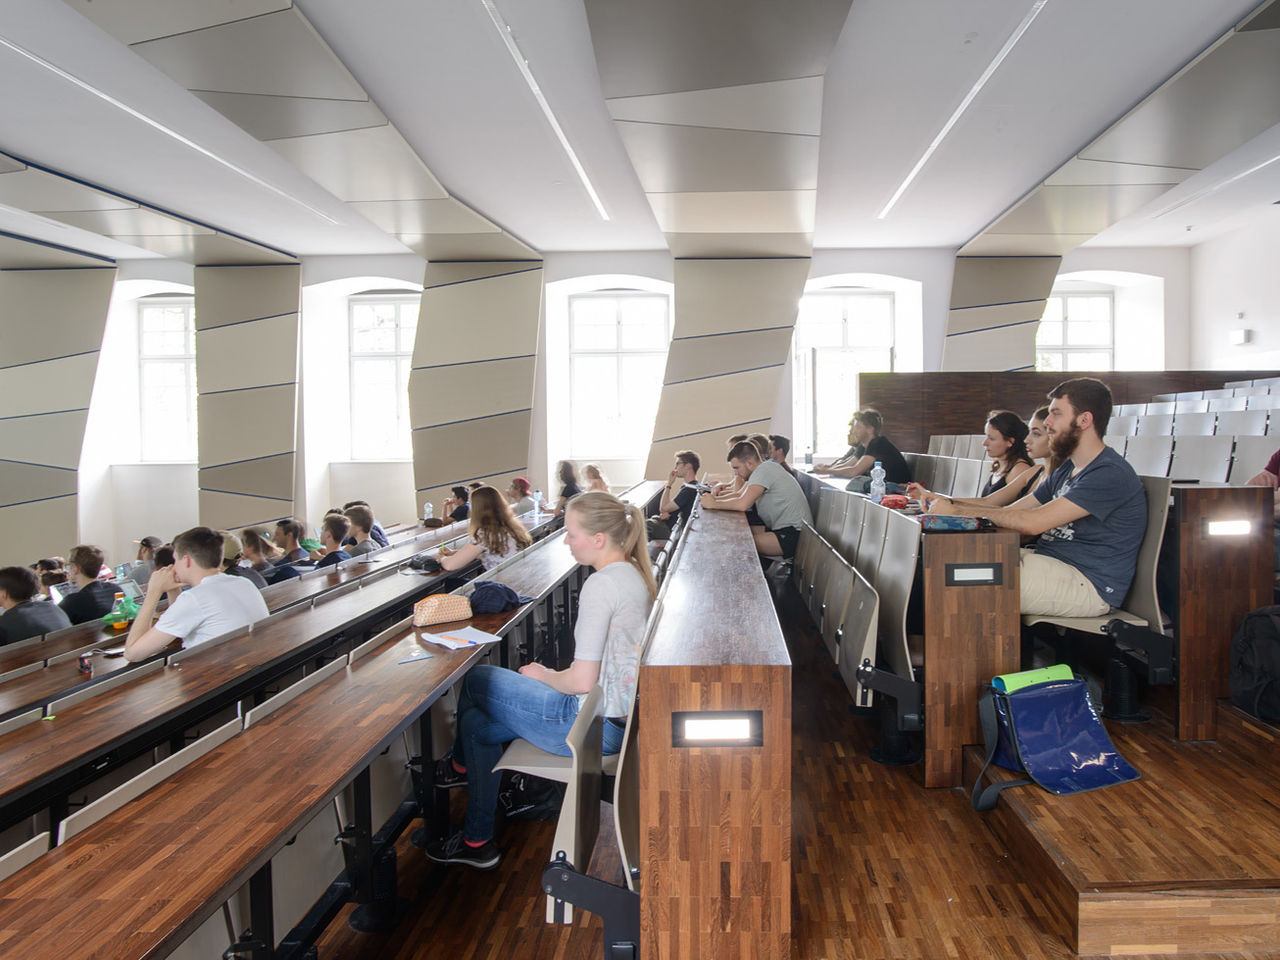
916, 405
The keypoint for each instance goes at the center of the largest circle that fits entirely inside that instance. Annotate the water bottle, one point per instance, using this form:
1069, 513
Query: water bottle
537, 501
808, 456
427, 511
877, 482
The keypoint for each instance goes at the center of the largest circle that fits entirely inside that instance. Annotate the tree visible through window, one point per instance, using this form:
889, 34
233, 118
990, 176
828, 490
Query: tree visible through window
617, 354
167, 379
1077, 332
382, 334
839, 334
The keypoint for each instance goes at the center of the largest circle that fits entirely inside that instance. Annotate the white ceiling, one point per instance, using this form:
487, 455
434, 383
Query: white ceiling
441, 74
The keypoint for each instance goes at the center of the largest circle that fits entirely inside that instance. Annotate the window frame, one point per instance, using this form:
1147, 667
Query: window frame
402, 361
1064, 351
187, 357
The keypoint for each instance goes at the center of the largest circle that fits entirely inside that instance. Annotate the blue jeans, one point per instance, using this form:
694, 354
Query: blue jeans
495, 706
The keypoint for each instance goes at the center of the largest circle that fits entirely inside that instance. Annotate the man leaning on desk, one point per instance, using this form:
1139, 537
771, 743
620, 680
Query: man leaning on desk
215, 604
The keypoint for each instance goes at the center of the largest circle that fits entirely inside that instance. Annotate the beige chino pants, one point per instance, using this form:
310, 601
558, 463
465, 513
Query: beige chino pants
1056, 589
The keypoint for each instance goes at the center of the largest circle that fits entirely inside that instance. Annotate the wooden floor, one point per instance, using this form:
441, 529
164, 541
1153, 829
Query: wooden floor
883, 868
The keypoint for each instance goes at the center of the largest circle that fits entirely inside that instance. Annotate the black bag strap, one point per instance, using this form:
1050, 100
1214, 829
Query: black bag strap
984, 800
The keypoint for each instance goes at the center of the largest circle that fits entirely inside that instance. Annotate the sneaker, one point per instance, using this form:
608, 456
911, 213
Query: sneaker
454, 849
447, 775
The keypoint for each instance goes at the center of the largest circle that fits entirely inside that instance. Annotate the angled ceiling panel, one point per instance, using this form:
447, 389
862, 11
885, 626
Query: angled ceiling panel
776, 211
679, 159
991, 244
32, 189
271, 118
420, 217
132, 222
468, 246
739, 246
1080, 172
10, 165
207, 250
368, 164
132, 21
17, 253
277, 54
1076, 209
779, 106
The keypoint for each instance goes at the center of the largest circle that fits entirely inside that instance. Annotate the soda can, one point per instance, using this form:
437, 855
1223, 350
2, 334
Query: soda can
85, 664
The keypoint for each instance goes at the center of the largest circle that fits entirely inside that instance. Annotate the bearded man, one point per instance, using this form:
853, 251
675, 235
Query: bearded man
1088, 518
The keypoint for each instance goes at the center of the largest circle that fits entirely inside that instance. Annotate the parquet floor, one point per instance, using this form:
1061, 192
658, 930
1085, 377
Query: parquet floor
882, 868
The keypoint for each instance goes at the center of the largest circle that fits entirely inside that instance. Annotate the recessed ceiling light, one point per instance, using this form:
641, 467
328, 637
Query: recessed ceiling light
504, 31
969, 97
157, 125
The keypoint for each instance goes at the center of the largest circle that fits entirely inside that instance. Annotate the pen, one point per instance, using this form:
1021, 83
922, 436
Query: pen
424, 656
471, 643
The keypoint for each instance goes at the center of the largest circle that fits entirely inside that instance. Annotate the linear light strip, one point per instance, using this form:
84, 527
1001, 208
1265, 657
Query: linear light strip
157, 125
1209, 191
964, 105
522, 65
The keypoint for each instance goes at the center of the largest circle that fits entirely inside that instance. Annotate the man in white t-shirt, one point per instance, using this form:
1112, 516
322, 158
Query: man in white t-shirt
215, 604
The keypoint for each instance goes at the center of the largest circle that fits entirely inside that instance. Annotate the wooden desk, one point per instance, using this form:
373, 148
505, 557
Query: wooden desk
715, 821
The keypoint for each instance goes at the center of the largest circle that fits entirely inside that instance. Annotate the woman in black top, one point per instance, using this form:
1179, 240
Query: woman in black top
1006, 445
568, 475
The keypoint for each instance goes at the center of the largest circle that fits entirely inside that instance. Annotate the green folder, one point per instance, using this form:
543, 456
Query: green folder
1009, 682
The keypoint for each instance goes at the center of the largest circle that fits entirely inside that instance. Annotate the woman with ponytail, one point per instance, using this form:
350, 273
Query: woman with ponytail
496, 705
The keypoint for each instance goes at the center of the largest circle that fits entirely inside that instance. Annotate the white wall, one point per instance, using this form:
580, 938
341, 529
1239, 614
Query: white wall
1235, 274
149, 500
386, 484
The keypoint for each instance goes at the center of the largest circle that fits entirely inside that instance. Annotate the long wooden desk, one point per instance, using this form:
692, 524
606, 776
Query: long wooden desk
715, 821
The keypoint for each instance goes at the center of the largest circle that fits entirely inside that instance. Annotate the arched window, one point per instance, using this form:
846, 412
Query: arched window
1103, 320
167, 378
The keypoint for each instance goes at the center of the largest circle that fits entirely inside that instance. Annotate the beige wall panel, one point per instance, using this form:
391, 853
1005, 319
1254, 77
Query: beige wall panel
277, 54
703, 404
743, 211
21, 255
978, 281
670, 158
46, 314
446, 394
444, 274
134, 221
271, 118
739, 246
24, 482
43, 192
709, 445
475, 449
1023, 245
248, 354
1078, 171
53, 438
726, 353
1076, 209
10, 165
1011, 348
370, 164
246, 424
230, 295
269, 478
782, 106
420, 217
38, 387
208, 250
134, 20
720, 296
224, 511
469, 246
499, 313
37, 530
980, 318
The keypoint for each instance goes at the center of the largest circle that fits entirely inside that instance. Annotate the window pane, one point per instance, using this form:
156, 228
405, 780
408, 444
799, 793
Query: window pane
408, 326
820, 322
1049, 334
594, 323
870, 320
168, 419
1089, 360
640, 387
1049, 360
373, 328
594, 404
1053, 310
644, 322
375, 433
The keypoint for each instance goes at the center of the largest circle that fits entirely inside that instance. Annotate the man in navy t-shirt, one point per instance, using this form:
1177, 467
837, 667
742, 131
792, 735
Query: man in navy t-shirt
1089, 517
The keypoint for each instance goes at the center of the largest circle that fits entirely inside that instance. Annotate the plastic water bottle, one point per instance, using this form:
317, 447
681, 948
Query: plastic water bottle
877, 482
537, 501
808, 456
427, 511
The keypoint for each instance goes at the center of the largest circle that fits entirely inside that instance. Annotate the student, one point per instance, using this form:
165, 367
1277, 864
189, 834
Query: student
288, 532
456, 507
595, 479
142, 567
495, 533
48, 579
215, 604
1038, 448
232, 552
1089, 517
1006, 445
496, 705
519, 496
681, 491
848, 458
865, 429
333, 531
94, 598
1269, 476
731, 485
774, 493
375, 529
569, 488
258, 549
24, 616
361, 539
779, 447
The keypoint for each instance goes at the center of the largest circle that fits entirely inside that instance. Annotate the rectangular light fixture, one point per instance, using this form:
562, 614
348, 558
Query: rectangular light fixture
1228, 528
974, 574
717, 728
504, 31
969, 97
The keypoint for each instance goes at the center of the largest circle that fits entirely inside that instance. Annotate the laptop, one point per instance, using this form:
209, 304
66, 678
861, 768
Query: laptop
123, 570
60, 591
130, 589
